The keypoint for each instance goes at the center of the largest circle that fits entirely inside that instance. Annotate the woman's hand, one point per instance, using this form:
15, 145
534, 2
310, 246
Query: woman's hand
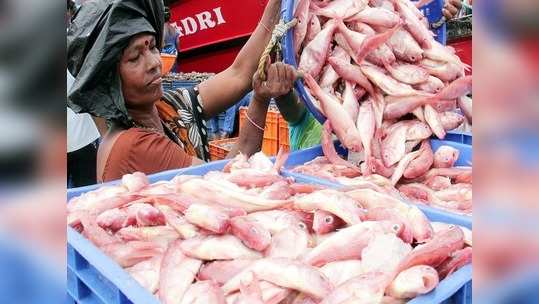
280, 81
451, 8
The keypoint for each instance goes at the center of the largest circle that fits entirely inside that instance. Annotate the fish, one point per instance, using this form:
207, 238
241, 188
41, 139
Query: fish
277, 220
405, 47
334, 202
414, 25
348, 243
162, 235
313, 28
446, 157
176, 274
351, 72
341, 9
451, 120
458, 259
420, 225
341, 271
432, 85
135, 182
222, 271
366, 124
114, 219
208, 217
408, 73
250, 291
302, 16
402, 165
174, 219
325, 222
350, 103
376, 16
437, 183
130, 253
146, 273
329, 149
252, 234
145, 214
393, 146
204, 292
285, 273
341, 122
436, 251
445, 71
212, 247
422, 163
456, 89
465, 105
291, 243
365, 288
384, 253
388, 84
314, 54
414, 281
433, 120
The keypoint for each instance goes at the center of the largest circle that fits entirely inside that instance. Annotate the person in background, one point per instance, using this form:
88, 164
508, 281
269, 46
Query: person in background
171, 37
118, 77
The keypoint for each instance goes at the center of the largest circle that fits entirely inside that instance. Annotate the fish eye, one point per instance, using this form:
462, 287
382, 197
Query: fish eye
253, 230
328, 220
302, 226
396, 227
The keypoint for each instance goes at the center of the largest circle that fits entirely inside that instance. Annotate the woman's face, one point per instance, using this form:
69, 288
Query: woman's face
140, 72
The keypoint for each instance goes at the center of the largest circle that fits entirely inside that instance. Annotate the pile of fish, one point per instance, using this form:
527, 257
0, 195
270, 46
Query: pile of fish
385, 85
431, 178
249, 235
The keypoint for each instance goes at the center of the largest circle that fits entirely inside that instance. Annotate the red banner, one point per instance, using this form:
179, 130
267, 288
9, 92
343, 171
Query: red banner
206, 22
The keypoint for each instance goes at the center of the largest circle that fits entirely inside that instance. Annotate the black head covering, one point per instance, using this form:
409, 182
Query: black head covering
99, 32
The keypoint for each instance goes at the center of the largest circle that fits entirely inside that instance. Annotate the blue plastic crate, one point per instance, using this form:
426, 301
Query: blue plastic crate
433, 11
459, 137
95, 278
465, 158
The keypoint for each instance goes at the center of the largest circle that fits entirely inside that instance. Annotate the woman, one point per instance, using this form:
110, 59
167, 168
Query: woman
114, 52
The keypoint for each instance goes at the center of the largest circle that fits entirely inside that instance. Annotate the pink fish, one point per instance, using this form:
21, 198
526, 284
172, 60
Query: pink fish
340, 121
435, 251
209, 248
341, 9
162, 235
453, 173
285, 273
204, 292
341, 271
456, 89
365, 288
408, 73
402, 165
300, 30
332, 201
351, 72
384, 254
387, 214
366, 125
313, 28
388, 84
222, 271
325, 222
278, 191
93, 232
329, 75
208, 217
420, 224
176, 275
445, 157
146, 273
277, 220
381, 169
315, 53
422, 163
145, 214
440, 52
252, 178
362, 28
348, 243
253, 235
398, 106
456, 192
131, 253
412, 282
458, 259
114, 219
417, 130
433, 120
361, 44
329, 149
393, 146
250, 291
178, 222
437, 183
95, 204
350, 103
376, 16
221, 194
432, 85
405, 47
445, 71
135, 182
414, 24
465, 105
290, 243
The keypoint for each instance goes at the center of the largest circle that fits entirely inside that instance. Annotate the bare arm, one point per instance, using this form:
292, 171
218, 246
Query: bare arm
280, 80
226, 88
291, 108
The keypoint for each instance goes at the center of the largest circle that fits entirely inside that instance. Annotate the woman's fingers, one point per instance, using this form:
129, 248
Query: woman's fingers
456, 3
